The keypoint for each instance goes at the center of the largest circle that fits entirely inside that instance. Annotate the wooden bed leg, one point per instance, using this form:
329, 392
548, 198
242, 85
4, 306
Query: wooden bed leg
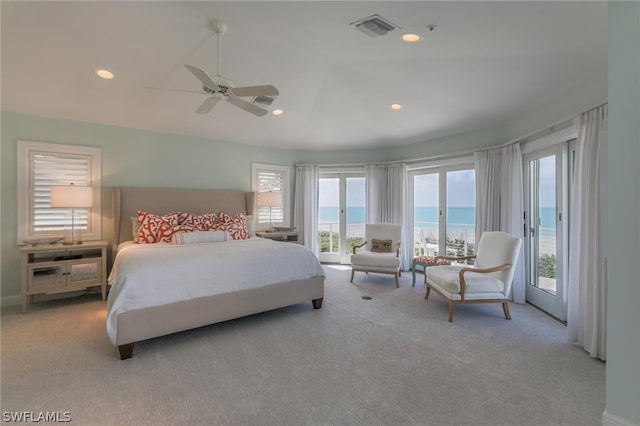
317, 303
126, 351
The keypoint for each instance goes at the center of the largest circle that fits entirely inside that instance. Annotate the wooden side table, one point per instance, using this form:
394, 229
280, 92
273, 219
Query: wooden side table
289, 237
58, 268
425, 262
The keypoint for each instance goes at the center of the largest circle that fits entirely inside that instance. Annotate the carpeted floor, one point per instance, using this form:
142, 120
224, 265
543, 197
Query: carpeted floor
391, 360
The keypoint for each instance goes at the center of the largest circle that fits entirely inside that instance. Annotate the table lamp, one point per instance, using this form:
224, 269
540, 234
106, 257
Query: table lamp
72, 197
270, 199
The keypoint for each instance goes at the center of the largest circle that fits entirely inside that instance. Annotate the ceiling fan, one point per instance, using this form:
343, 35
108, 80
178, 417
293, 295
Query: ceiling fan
221, 88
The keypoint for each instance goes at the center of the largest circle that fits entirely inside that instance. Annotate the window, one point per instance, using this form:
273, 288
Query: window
271, 178
43, 165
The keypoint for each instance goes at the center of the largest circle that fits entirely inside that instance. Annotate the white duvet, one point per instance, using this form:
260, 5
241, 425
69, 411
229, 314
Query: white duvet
146, 275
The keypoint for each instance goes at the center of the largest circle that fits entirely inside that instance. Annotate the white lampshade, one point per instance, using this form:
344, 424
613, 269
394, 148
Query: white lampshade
270, 199
71, 197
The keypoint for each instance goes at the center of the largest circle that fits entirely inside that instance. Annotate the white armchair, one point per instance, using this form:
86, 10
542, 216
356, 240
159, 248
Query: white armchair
489, 281
381, 252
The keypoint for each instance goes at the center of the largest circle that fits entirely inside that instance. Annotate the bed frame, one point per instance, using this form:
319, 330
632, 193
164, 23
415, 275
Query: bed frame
147, 323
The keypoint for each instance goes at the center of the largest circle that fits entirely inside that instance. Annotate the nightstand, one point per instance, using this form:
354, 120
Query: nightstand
58, 268
289, 237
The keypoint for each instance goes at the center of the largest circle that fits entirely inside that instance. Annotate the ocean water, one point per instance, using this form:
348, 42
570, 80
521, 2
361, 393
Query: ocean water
458, 218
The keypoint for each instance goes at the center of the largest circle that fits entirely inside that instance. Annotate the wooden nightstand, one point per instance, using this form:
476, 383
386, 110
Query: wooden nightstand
289, 237
58, 268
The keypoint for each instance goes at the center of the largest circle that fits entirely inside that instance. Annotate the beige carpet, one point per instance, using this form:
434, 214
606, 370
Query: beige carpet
392, 360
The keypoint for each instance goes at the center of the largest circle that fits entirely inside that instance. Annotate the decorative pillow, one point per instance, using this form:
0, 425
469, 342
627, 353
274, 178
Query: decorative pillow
153, 228
202, 221
236, 225
200, 237
381, 246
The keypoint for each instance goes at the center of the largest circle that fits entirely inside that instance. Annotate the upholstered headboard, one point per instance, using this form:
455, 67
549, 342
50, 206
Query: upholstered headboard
128, 200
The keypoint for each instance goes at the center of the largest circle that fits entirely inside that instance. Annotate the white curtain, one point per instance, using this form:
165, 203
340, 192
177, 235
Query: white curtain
386, 199
499, 201
587, 301
306, 205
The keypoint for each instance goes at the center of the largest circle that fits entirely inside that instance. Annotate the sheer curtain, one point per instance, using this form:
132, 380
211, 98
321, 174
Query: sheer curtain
386, 198
306, 205
499, 201
587, 300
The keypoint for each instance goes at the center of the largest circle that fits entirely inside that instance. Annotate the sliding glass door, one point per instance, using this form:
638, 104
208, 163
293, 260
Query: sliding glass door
341, 216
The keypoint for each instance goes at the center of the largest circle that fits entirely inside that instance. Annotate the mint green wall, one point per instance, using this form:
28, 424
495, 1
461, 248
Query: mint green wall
623, 294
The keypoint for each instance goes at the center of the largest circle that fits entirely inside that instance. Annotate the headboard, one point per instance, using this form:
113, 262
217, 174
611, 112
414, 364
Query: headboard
128, 200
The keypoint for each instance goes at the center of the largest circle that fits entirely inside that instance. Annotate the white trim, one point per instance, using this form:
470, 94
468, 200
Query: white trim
24, 149
609, 419
10, 301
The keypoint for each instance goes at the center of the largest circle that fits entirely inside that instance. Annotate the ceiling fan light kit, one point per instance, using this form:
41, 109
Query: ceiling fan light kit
219, 87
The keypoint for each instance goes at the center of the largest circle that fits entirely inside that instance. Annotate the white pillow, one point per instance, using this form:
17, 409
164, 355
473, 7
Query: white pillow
135, 225
251, 226
195, 237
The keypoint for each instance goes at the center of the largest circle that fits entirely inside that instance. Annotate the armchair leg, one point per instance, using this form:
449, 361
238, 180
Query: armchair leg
505, 308
426, 296
452, 308
352, 274
396, 276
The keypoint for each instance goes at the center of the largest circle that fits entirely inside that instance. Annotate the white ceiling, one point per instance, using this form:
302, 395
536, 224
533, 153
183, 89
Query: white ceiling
485, 63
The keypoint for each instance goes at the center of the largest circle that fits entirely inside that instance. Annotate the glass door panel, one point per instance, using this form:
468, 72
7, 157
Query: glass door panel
461, 214
544, 177
426, 214
355, 216
329, 219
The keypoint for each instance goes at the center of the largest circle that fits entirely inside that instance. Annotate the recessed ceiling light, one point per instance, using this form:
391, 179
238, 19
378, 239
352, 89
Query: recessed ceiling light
107, 75
277, 112
410, 37
396, 106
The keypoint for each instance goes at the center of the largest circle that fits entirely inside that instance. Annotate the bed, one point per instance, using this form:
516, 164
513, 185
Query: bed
194, 285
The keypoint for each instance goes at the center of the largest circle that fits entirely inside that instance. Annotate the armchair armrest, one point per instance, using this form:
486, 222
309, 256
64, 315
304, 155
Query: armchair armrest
463, 284
398, 249
357, 247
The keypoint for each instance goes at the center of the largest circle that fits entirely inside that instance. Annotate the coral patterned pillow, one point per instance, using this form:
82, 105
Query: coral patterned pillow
202, 221
235, 225
152, 227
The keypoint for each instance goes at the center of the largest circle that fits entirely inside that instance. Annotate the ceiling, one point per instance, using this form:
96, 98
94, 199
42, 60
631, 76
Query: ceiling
484, 64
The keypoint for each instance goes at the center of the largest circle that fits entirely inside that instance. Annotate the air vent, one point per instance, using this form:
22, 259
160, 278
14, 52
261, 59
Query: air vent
374, 26
263, 100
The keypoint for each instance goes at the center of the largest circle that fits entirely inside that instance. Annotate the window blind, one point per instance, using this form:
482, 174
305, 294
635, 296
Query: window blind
53, 169
271, 180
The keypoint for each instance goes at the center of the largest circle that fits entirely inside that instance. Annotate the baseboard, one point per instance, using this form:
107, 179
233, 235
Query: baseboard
10, 301
609, 419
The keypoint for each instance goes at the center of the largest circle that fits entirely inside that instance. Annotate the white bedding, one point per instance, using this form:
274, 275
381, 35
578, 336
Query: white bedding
146, 275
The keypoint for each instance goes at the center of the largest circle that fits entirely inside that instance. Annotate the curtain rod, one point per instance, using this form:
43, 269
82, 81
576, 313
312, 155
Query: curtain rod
558, 125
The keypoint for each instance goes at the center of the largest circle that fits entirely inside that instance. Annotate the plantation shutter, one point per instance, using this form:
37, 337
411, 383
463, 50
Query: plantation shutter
54, 169
271, 181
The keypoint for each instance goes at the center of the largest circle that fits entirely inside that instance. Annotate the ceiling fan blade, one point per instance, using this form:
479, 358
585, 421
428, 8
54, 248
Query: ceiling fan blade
266, 90
207, 105
249, 107
203, 77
